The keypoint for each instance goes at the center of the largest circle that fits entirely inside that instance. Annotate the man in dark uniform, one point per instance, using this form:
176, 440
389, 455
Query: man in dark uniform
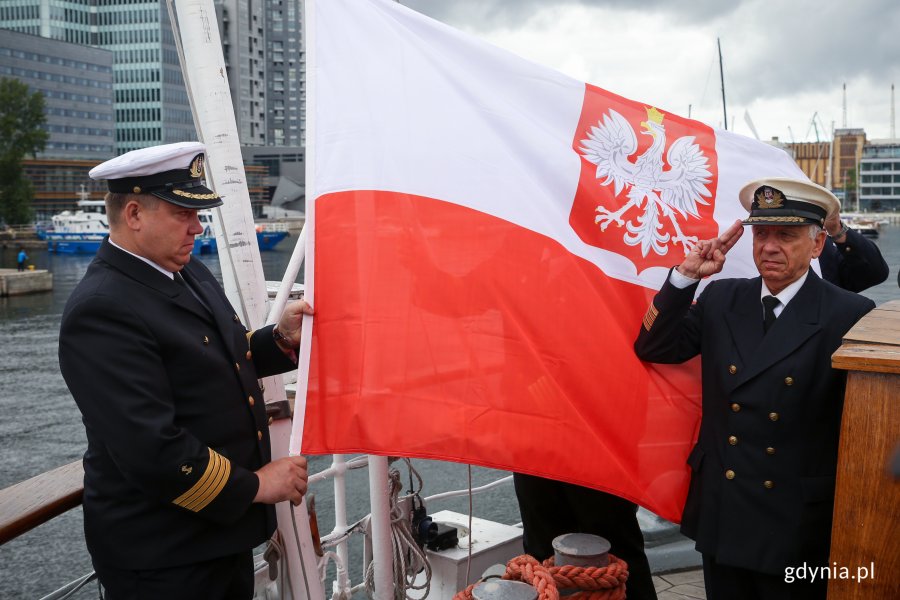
179, 485
551, 508
849, 259
762, 485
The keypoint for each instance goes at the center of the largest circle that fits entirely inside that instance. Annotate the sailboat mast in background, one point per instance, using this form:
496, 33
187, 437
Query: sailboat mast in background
722, 79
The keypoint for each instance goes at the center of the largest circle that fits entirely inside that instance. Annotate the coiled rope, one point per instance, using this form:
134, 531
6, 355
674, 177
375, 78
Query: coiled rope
592, 583
408, 558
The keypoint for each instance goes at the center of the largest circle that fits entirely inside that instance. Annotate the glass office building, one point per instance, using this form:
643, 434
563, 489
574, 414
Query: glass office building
150, 101
77, 84
879, 176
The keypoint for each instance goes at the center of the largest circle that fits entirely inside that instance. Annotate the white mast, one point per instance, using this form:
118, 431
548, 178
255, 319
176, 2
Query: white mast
203, 66
844, 111
893, 116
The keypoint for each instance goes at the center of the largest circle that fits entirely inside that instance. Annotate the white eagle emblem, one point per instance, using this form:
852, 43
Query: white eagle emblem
659, 192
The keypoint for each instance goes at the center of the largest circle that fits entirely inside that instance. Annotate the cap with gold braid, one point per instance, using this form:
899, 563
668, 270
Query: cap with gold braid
173, 172
786, 201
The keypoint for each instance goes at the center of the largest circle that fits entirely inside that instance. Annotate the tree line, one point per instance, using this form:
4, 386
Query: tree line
22, 134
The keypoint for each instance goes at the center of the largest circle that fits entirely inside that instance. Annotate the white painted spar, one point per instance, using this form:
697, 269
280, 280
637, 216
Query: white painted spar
197, 34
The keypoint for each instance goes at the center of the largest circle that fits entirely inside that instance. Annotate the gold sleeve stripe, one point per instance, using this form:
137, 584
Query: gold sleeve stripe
650, 317
208, 486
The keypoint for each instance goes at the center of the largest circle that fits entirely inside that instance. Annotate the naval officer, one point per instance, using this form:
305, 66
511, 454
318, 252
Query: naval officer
179, 485
763, 469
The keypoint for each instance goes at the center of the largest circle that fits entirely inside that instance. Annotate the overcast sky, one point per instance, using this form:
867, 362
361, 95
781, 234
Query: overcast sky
784, 60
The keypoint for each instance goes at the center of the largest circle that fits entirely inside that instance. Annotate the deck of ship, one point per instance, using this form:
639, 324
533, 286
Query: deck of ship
683, 585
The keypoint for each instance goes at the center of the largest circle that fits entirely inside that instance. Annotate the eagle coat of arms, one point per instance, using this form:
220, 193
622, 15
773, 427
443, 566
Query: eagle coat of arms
660, 195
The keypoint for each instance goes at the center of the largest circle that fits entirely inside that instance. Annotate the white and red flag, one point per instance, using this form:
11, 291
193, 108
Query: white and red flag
485, 235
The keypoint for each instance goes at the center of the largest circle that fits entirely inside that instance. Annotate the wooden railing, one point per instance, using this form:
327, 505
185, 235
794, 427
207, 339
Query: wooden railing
26, 505
867, 499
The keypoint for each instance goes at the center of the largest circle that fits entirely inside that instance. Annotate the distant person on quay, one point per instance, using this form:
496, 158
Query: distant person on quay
179, 485
21, 257
763, 470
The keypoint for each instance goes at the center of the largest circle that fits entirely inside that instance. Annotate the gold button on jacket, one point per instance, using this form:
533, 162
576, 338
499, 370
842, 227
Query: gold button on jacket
729, 474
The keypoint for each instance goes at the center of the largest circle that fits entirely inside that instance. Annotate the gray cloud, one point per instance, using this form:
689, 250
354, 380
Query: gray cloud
485, 15
810, 46
774, 50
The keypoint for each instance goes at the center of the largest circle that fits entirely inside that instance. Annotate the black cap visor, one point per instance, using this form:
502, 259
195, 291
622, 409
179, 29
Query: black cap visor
195, 196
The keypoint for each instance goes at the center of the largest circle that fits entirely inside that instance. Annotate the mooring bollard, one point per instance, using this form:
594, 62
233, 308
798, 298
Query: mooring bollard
580, 550
501, 589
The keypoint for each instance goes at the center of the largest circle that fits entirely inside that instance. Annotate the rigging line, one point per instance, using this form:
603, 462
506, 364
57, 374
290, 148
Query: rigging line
299, 550
706, 85
471, 536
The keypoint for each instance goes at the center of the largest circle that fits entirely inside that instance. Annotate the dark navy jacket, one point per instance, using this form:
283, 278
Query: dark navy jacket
854, 265
763, 468
175, 419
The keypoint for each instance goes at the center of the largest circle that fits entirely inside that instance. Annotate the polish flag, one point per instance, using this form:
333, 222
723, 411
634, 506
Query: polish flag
485, 236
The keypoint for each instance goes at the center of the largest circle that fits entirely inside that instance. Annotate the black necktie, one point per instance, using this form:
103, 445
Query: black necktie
769, 304
180, 280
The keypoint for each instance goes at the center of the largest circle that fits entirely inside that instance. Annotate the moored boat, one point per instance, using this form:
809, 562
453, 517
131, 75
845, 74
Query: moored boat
81, 231
205, 243
863, 226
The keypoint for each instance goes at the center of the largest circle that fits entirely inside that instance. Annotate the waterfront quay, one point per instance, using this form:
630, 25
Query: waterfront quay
30, 281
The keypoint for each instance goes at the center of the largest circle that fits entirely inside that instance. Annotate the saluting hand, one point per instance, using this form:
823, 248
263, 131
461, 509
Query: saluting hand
282, 479
708, 257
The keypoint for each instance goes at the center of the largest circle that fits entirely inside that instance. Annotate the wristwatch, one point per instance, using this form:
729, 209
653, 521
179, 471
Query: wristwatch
844, 229
280, 338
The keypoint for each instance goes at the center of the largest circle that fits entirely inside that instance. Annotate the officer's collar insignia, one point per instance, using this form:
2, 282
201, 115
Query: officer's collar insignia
769, 197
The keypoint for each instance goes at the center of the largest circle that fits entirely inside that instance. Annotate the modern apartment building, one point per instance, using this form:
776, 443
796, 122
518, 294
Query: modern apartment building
879, 185
77, 84
262, 44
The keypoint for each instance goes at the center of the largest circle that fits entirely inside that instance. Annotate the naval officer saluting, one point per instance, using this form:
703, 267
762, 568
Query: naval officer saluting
763, 470
179, 485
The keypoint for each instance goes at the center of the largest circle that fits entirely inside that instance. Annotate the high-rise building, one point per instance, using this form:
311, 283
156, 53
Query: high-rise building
262, 44
77, 84
150, 101
263, 47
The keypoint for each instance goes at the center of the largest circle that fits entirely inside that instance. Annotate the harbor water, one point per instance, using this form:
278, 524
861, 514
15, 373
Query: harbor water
41, 428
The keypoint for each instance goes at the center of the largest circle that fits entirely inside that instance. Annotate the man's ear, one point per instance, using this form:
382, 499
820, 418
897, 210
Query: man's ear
132, 215
819, 244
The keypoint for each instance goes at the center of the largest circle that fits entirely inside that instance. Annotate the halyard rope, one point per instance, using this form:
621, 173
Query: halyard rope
408, 558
